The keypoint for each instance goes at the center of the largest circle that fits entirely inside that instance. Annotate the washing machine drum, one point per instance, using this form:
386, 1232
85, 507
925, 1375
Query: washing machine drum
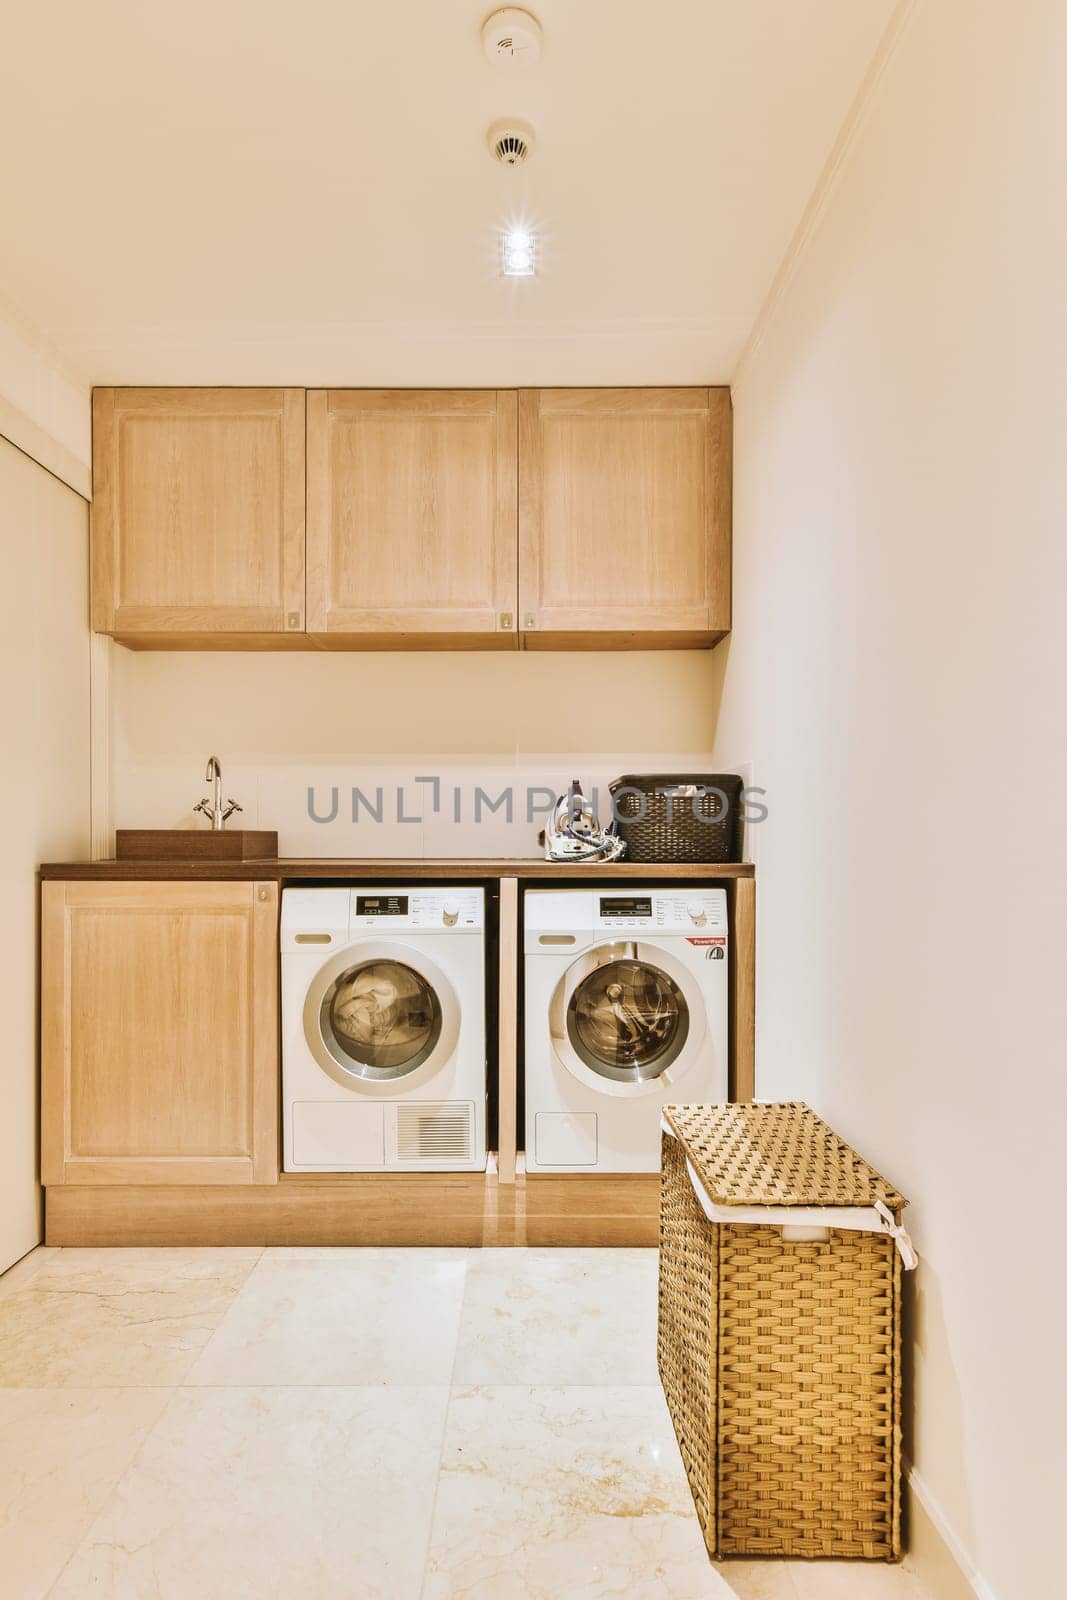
380, 1019
627, 1020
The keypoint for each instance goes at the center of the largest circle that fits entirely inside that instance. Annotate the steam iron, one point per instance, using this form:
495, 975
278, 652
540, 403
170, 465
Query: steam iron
574, 834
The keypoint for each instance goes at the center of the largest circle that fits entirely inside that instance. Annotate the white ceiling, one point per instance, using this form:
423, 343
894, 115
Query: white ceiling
227, 191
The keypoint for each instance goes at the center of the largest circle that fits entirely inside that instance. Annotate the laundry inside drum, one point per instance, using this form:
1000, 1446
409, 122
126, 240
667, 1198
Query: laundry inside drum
628, 1014
384, 1014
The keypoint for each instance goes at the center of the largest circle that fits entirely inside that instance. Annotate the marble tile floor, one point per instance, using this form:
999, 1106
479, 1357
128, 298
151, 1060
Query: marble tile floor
353, 1425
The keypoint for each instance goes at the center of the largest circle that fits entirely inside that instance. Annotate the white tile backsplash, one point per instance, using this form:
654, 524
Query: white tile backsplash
284, 725
383, 811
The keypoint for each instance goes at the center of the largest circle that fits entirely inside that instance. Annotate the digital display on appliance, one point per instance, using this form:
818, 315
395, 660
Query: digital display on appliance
630, 905
381, 905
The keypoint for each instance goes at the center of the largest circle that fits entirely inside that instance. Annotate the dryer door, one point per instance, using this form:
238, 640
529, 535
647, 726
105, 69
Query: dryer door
623, 1016
381, 1012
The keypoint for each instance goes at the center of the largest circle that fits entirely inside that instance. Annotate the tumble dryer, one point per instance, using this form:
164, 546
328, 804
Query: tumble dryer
383, 1029
626, 1010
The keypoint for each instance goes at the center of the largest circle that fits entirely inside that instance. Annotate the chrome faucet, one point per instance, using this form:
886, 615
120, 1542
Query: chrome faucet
214, 808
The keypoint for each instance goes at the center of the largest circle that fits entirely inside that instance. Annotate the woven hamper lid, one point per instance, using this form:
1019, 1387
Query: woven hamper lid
778, 1154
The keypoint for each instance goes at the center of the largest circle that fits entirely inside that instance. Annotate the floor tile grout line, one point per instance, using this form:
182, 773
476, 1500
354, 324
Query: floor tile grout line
173, 1391
389, 1383
274, 1256
113, 1491
444, 1430
183, 1382
82, 1387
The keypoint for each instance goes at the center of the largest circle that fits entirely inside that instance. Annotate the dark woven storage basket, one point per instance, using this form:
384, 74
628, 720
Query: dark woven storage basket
701, 824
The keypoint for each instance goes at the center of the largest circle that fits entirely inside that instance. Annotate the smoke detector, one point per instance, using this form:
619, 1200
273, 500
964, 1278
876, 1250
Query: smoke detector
512, 38
510, 141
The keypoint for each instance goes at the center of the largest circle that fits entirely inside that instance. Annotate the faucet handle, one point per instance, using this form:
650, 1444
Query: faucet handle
231, 807
204, 806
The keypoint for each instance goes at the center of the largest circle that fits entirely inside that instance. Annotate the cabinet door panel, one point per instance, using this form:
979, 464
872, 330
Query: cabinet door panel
412, 507
198, 511
624, 516
159, 1032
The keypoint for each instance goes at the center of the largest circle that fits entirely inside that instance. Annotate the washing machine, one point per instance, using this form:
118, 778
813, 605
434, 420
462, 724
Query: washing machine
627, 1003
383, 1029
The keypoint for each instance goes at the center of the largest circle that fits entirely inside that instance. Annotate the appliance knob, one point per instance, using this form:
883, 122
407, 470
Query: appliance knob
450, 913
697, 913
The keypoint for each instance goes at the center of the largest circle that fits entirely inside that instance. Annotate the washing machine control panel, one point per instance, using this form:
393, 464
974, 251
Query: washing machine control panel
624, 911
702, 910
388, 909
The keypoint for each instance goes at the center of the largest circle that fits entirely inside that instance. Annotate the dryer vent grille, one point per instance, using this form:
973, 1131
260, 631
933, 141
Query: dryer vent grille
442, 1131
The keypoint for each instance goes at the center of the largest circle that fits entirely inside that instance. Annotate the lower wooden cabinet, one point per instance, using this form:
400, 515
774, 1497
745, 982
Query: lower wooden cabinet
159, 1033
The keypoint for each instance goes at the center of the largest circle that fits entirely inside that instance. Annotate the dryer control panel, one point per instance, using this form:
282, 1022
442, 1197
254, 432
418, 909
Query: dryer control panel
694, 912
674, 911
386, 910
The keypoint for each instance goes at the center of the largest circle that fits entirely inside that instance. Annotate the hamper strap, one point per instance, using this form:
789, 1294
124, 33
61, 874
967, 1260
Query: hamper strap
908, 1253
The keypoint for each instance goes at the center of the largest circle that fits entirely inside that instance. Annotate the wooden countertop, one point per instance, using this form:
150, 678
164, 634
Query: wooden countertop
320, 869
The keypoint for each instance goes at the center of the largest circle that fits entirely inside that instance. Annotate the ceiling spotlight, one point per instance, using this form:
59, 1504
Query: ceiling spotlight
518, 253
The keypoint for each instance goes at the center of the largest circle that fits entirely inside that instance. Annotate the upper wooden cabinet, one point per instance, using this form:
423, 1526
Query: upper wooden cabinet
159, 1033
198, 514
411, 529
435, 518
624, 517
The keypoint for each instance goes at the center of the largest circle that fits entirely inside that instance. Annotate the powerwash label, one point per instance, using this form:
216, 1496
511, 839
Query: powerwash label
705, 941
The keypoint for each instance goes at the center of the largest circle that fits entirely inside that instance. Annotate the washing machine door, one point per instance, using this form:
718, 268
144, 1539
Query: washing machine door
381, 1012
623, 1016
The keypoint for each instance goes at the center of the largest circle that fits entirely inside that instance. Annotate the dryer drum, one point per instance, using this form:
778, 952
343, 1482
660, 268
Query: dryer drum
628, 1019
383, 1014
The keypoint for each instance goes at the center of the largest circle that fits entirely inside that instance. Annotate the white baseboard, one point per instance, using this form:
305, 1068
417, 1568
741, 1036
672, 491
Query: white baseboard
934, 1552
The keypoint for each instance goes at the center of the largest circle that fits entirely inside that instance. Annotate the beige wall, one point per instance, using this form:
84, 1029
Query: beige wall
44, 407
897, 676
44, 798
280, 723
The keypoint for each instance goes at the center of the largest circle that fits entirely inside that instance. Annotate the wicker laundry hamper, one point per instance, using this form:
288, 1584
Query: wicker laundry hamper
780, 1354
